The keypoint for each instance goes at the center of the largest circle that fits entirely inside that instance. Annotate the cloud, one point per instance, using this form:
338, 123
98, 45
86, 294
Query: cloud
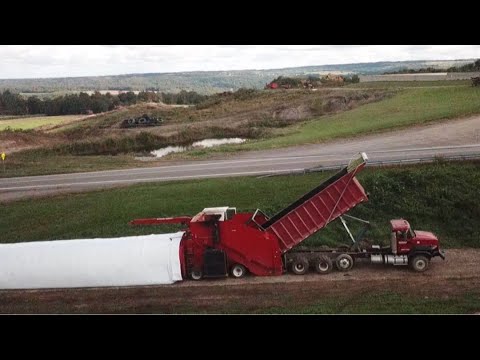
30, 61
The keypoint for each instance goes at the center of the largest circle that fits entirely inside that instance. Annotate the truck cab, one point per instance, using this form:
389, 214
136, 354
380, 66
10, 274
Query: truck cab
419, 246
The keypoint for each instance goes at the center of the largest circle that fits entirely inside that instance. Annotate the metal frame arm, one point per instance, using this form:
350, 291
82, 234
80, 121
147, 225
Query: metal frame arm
159, 221
357, 219
252, 219
362, 231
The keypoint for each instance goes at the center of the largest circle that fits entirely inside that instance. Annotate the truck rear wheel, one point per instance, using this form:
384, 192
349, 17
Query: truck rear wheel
238, 271
323, 265
419, 263
196, 274
300, 266
344, 262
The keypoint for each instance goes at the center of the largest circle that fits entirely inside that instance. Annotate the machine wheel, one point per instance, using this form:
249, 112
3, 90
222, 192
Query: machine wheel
419, 263
323, 265
196, 274
344, 262
300, 266
238, 271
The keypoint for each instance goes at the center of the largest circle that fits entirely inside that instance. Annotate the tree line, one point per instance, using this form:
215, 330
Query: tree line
15, 104
311, 81
471, 67
475, 66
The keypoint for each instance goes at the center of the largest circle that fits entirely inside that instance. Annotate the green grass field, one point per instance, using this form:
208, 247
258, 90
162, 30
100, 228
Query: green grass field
27, 123
440, 296
443, 296
408, 107
37, 162
440, 197
382, 302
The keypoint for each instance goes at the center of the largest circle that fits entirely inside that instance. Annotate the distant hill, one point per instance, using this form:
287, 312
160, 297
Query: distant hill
208, 82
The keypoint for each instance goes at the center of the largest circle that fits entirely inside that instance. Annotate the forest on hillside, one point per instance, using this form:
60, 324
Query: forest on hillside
207, 82
470, 67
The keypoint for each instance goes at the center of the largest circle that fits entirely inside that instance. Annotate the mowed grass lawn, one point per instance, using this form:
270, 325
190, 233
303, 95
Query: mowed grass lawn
408, 107
27, 123
33, 162
438, 197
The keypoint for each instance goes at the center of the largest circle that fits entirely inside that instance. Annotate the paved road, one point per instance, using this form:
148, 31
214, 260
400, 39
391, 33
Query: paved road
451, 138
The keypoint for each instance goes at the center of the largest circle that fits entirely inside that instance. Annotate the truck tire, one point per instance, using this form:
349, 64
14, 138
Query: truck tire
238, 271
344, 262
419, 263
323, 265
300, 266
196, 274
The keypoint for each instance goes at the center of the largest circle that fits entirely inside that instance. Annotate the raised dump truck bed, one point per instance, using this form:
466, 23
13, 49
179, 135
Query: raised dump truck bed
313, 211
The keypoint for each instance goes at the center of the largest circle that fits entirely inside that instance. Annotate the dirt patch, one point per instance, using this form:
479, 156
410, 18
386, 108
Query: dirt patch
296, 113
336, 104
14, 141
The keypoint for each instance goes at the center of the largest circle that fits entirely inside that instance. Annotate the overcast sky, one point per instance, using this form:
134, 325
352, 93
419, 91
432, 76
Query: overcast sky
32, 61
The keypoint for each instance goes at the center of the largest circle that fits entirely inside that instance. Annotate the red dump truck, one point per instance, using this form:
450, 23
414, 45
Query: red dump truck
220, 241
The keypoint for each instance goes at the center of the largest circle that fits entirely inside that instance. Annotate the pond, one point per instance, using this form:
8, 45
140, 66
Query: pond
207, 143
